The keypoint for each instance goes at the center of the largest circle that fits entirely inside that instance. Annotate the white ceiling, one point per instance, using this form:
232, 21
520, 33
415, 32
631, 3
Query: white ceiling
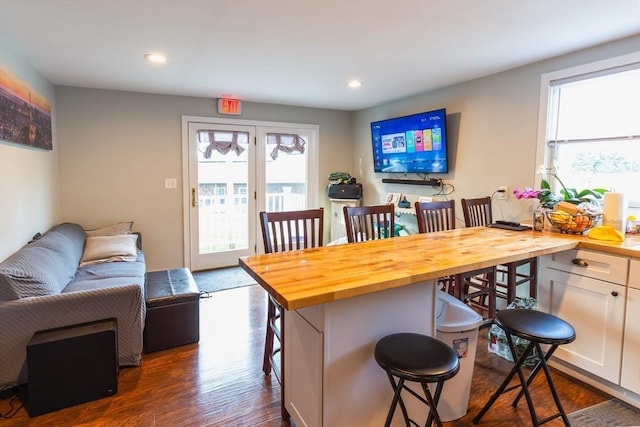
301, 52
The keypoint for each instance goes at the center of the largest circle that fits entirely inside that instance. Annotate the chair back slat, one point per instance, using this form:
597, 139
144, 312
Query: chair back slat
435, 216
477, 212
292, 230
369, 222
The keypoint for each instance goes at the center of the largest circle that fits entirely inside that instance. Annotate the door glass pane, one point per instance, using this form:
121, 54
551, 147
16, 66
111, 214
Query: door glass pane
285, 172
222, 190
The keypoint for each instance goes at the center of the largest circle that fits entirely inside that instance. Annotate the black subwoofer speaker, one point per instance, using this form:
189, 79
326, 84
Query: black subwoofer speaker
345, 191
72, 365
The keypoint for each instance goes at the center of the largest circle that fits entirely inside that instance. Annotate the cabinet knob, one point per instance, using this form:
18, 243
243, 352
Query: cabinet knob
580, 262
614, 293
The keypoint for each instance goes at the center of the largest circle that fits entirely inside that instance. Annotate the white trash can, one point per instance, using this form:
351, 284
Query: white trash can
457, 325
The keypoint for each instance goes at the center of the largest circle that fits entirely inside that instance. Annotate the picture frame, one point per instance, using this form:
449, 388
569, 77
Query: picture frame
26, 113
393, 198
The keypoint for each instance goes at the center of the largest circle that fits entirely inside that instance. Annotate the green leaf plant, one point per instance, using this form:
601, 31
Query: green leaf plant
548, 199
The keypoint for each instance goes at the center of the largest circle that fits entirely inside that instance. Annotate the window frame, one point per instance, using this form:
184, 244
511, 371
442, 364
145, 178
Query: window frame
543, 154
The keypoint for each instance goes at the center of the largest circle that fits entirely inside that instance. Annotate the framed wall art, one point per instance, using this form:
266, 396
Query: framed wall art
25, 114
393, 198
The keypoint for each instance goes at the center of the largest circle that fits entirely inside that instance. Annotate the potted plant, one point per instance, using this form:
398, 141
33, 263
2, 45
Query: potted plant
570, 210
548, 199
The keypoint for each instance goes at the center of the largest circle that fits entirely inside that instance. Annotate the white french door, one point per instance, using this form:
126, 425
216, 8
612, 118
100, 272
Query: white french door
221, 194
235, 169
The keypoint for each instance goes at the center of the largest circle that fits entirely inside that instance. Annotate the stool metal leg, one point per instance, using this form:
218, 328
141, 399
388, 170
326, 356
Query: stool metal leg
523, 380
524, 383
433, 404
397, 389
554, 393
430, 400
542, 363
507, 380
535, 370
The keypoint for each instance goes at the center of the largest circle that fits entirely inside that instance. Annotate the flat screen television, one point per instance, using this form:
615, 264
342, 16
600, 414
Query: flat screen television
411, 144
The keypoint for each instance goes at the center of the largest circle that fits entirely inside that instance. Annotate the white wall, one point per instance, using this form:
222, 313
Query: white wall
116, 149
492, 124
29, 197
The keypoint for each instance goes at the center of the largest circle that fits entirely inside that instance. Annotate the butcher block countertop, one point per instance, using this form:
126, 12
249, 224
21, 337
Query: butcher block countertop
309, 277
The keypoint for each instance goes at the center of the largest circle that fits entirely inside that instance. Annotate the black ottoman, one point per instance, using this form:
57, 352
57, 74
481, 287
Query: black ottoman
173, 309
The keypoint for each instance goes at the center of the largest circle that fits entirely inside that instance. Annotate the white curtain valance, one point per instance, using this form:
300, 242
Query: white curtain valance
285, 142
220, 142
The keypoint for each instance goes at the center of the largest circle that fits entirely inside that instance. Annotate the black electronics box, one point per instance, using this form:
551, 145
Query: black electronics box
72, 365
345, 191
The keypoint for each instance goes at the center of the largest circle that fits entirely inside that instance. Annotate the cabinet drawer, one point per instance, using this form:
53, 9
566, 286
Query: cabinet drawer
601, 266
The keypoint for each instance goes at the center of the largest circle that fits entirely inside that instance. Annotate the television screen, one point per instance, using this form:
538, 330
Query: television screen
411, 144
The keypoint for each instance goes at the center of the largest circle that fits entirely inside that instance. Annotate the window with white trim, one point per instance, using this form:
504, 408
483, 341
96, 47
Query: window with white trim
592, 129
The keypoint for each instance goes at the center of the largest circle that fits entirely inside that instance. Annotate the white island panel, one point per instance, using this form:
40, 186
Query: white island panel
354, 390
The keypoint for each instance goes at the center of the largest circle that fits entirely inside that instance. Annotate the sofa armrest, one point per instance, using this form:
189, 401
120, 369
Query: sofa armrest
20, 319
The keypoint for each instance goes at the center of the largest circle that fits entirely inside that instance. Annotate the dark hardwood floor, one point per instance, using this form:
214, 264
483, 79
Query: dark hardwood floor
219, 382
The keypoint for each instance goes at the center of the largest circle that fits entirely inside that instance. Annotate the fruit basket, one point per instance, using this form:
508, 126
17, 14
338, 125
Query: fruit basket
573, 223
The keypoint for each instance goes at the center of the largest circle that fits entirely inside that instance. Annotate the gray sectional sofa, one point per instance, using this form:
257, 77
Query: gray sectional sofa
54, 281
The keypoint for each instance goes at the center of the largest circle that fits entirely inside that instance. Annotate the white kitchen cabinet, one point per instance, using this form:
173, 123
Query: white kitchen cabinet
338, 229
588, 290
630, 378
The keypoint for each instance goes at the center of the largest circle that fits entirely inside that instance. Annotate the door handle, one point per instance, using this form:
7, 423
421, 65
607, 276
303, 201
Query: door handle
580, 262
194, 200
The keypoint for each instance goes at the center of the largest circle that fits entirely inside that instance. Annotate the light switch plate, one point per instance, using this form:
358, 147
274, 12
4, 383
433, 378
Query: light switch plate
170, 183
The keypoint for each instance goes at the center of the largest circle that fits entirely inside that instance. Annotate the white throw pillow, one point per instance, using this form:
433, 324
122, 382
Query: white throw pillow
111, 230
101, 249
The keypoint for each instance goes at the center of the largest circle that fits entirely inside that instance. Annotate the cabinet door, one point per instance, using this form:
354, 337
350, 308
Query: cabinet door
634, 274
596, 311
630, 378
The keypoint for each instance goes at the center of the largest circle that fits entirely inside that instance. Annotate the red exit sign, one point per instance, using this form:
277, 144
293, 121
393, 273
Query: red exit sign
229, 106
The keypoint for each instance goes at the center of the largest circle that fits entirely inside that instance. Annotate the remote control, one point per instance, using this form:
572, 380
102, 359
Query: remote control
511, 223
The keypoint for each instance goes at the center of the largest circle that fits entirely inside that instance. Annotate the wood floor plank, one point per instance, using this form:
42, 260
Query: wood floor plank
219, 381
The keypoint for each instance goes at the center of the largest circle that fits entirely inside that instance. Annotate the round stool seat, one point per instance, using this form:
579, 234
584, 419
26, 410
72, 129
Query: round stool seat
416, 357
535, 326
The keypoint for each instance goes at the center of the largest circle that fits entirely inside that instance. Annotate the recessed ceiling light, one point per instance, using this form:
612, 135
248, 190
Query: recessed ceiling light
354, 84
157, 58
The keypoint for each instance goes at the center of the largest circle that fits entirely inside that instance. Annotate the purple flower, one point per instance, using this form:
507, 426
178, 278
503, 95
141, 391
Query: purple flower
527, 193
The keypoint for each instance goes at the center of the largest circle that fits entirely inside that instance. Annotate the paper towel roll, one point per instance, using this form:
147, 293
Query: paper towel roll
615, 211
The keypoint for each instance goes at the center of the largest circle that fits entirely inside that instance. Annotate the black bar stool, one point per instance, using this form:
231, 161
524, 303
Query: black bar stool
418, 358
538, 328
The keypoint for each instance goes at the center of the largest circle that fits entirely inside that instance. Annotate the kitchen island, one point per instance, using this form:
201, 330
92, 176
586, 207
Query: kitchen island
340, 300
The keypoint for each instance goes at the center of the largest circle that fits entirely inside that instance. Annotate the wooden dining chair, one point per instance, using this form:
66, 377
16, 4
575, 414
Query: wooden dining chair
369, 222
435, 216
476, 285
477, 213
283, 232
